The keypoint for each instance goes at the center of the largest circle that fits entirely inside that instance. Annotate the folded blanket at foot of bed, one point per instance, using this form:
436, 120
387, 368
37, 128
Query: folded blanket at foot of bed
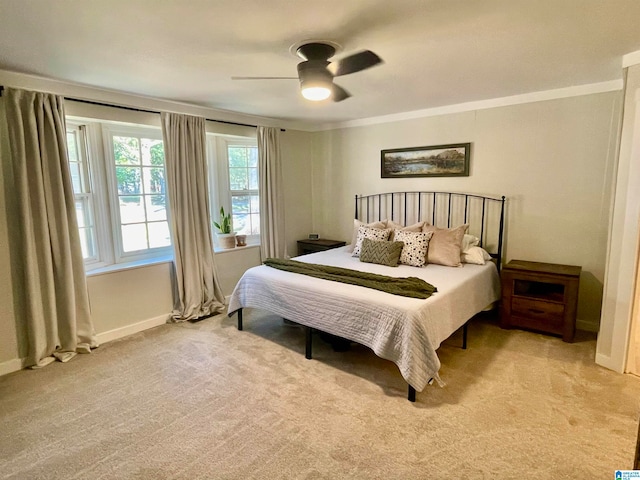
405, 286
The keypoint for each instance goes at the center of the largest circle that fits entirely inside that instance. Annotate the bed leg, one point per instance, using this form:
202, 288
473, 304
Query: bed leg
307, 350
464, 336
239, 319
411, 396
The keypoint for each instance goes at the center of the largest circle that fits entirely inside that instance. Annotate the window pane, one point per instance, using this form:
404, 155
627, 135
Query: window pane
156, 207
238, 179
131, 209
152, 151
156, 151
128, 180
76, 179
241, 223
253, 179
72, 147
255, 224
153, 180
126, 150
253, 157
255, 204
87, 243
237, 156
134, 237
240, 204
159, 235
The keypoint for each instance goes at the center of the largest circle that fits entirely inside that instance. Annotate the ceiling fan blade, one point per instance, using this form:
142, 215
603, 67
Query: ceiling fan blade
338, 93
264, 78
354, 63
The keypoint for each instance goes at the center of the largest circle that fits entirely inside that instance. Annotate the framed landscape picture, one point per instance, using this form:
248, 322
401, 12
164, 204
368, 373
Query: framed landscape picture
435, 161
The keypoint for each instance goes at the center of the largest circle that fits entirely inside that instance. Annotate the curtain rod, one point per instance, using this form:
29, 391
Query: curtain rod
134, 109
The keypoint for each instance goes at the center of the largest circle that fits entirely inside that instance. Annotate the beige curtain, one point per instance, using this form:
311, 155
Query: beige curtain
272, 240
57, 317
198, 292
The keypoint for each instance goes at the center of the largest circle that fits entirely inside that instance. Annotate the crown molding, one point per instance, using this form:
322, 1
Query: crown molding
574, 91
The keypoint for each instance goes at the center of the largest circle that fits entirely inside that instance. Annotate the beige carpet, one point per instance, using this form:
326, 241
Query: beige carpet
207, 401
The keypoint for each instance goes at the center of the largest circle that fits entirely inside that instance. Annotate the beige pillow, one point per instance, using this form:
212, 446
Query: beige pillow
357, 223
393, 226
445, 246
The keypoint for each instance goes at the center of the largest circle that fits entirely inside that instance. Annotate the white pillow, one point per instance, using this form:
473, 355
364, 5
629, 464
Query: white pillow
370, 233
356, 224
477, 255
416, 245
469, 241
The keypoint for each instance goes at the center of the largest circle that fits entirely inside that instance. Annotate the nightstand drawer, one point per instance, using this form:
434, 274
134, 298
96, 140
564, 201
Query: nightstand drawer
524, 307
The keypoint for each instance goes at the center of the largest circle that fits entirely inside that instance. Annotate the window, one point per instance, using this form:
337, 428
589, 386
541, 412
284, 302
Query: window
79, 167
234, 183
138, 192
242, 161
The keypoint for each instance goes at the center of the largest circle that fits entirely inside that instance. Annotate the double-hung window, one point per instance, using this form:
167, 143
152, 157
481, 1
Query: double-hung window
136, 172
234, 183
82, 191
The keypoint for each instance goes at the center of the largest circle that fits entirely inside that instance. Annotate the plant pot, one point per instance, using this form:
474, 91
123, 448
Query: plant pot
227, 240
241, 240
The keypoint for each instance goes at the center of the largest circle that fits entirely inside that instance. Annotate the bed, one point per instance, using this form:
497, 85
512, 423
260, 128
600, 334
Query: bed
406, 331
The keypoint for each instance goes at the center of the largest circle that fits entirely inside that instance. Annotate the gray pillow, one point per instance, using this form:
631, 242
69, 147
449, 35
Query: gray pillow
381, 252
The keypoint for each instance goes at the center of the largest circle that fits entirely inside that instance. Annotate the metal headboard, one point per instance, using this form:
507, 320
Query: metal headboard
485, 215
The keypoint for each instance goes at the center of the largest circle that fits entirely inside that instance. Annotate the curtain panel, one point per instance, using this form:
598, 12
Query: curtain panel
57, 317
272, 226
198, 293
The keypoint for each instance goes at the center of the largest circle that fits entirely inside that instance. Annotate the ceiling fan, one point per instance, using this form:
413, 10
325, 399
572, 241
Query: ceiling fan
316, 72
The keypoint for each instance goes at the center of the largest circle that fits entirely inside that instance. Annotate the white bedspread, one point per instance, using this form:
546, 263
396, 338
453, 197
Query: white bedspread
406, 331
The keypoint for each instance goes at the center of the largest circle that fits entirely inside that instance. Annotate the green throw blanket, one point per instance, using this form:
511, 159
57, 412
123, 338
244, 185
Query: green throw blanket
406, 286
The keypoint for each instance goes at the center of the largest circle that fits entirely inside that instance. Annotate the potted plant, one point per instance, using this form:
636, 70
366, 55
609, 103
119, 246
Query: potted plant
226, 237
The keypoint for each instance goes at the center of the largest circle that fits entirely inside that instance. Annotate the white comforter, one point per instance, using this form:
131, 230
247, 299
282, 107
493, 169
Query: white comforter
406, 331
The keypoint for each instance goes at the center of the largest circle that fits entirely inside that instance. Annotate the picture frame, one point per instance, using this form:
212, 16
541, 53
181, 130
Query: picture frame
450, 160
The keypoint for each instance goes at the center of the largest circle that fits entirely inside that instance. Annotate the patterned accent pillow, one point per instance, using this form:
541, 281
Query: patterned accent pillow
356, 224
371, 233
416, 245
381, 252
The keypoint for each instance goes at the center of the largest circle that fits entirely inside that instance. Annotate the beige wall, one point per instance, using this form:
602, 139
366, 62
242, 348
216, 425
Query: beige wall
553, 160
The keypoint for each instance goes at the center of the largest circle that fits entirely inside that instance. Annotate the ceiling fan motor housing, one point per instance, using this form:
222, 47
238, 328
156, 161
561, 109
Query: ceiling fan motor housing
314, 73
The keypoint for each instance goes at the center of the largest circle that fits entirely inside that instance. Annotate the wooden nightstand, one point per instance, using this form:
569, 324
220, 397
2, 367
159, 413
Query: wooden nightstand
311, 246
540, 296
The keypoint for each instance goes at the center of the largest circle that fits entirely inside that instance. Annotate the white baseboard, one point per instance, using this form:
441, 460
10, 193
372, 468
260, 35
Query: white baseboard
116, 333
17, 364
608, 362
11, 366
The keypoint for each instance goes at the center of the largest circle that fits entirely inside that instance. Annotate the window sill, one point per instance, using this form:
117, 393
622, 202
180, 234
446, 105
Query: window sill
218, 250
117, 267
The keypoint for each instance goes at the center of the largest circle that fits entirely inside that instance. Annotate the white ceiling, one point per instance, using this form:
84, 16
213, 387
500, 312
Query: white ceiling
435, 52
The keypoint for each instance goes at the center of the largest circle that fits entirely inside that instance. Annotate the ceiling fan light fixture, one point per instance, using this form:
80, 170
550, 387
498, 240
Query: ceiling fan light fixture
316, 93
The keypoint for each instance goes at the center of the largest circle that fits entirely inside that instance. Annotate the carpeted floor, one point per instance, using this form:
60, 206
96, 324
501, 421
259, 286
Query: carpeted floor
207, 401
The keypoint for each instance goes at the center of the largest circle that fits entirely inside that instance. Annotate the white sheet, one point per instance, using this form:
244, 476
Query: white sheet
406, 331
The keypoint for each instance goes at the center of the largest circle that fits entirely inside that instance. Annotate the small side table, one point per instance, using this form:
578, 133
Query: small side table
540, 296
311, 246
